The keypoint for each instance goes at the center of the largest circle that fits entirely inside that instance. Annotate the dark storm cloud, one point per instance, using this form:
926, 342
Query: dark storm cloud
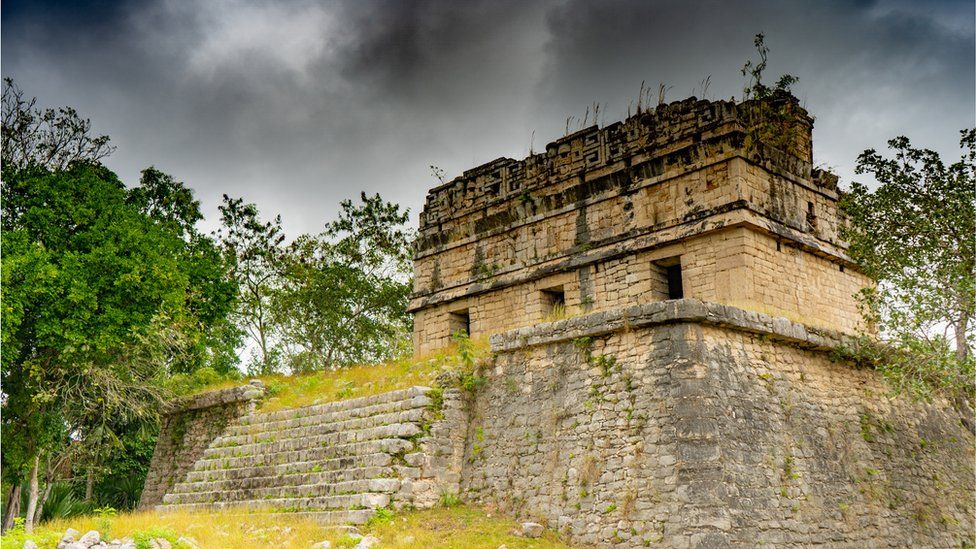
296, 105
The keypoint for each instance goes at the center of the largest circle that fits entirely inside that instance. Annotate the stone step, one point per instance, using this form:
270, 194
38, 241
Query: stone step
320, 503
341, 516
413, 415
414, 397
259, 426
302, 491
329, 466
394, 430
352, 451
332, 477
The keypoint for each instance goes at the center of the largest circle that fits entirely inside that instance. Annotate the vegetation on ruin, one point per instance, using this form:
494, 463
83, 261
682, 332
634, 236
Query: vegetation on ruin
453, 365
457, 526
770, 112
913, 235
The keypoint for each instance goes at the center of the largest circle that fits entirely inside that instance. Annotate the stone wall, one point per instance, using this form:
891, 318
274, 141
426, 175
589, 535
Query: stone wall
611, 201
736, 266
189, 426
335, 462
679, 423
686, 424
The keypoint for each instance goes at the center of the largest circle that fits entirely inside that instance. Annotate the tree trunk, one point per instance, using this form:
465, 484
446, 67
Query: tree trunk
32, 496
962, 346
13, 506
48, 485
90, 484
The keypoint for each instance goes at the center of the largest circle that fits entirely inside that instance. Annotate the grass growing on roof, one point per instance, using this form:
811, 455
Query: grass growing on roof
357, 381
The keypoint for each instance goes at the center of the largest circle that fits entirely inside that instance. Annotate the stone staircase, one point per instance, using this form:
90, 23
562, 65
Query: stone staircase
334, 462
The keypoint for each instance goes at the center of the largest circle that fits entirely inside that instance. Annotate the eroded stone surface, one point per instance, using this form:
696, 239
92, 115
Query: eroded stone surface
601, 212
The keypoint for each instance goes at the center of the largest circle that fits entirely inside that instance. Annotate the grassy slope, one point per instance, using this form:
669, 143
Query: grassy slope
356, 381
460, 527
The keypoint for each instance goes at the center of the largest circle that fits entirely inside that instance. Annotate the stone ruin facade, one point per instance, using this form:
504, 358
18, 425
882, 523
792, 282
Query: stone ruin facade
663, 297
685, 201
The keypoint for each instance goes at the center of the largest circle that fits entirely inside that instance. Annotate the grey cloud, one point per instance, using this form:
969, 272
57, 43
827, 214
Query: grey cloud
297, 105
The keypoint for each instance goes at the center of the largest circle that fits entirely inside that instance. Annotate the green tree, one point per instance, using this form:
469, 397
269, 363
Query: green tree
344, 292
254, 249
210, 335
105, 293
87, 282
914, 236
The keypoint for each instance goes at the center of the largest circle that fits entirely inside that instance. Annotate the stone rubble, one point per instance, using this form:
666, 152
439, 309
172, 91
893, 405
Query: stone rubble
532, 529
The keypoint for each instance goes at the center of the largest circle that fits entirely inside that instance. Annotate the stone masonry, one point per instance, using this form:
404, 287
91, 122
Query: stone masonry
677, 423
595, 222
189, 426
690, 424
664, 297
335, 462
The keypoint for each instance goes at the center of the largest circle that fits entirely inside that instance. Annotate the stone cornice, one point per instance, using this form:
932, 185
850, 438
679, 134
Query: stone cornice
668, 312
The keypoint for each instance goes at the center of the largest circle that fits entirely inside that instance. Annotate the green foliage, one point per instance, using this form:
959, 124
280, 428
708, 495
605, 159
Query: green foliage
188, 384
343, 293
465, 349
771, 112
255, 250
106, 291
450, 499
380, 517
16, 536
756, 89
100, 304
143, 538
913, 235
605, 363
63, 503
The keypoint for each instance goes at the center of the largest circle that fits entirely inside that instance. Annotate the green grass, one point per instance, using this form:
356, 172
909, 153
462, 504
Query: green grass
286, 392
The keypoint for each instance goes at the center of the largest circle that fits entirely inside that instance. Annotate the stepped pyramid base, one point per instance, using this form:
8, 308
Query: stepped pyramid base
335, 462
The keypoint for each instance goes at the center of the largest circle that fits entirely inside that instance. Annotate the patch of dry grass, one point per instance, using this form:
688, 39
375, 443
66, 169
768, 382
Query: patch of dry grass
215, 529
460, 527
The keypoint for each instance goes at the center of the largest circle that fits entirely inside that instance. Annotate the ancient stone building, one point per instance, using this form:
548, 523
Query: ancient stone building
716, 201
665, 297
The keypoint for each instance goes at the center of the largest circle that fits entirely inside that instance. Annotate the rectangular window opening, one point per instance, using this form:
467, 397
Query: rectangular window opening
670, 268
675, 290
459, 321
553, 303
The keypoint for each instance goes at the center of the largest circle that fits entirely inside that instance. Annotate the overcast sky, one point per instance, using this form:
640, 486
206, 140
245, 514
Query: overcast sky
297, 104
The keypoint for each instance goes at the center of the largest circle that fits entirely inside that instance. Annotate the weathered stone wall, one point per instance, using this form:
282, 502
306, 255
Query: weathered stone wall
189, 426
735, 266
689, 424
334, 462
604, 201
